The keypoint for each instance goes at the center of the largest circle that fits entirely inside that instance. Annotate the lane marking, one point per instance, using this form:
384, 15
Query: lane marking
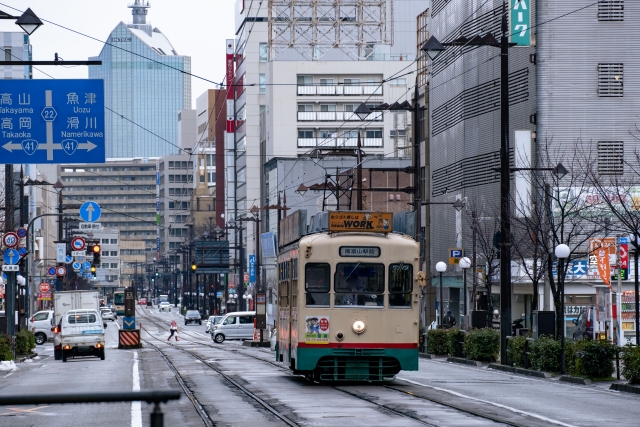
136, 407
464, 396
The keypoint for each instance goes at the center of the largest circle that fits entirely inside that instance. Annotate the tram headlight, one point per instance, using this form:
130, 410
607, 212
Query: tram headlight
359, 327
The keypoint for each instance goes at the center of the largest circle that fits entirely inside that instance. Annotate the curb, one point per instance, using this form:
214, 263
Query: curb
625, 387
463, 361
574, 380
514, 370
427, 356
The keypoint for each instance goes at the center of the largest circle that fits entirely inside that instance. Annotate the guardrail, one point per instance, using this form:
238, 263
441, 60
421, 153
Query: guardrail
152, 396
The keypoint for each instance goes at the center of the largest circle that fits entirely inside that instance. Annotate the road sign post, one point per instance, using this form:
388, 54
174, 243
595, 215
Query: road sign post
52, 121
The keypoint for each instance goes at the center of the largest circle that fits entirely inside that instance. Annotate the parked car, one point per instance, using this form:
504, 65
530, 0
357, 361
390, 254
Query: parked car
40, 324
164, 306
234, 326
192, 316
107, 314
212, 320
584, 324
142, 301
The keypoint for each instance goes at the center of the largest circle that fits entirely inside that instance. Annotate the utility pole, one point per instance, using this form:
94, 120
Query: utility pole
10, 289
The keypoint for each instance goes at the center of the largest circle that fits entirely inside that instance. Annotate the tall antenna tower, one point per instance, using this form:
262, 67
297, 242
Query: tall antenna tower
314, 27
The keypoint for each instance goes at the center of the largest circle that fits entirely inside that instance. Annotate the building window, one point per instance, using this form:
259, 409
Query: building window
352, 82
263, 84
398, 82
113, 265
114, 241
610, 157
264, 52
327, 107
241, 177
305, 80
7, 54
611, 10
113, 253
105, 241
350, 108
202, 179
374, 133
305, 133
326, 82
610, 80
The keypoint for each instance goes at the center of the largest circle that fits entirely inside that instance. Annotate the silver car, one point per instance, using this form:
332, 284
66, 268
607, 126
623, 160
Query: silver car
164, 306
213, 320
40, 325
107, 314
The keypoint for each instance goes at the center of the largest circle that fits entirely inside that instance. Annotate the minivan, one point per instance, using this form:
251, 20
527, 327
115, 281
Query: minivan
234, 326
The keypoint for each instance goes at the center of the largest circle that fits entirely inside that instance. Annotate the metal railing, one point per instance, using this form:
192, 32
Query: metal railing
152, 396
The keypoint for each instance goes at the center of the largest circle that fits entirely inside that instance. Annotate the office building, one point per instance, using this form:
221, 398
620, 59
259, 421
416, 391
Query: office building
146, 84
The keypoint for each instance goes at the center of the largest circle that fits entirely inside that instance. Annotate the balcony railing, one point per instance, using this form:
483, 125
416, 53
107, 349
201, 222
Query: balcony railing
338, 142
336, 116
346, 90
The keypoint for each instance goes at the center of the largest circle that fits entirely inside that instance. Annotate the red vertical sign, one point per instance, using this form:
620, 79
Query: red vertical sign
230, 87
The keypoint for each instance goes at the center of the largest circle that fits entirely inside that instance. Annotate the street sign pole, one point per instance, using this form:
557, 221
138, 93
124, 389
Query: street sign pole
10, 305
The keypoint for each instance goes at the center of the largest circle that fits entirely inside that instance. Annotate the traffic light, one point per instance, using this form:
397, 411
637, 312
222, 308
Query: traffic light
93, 270
157, 273
193, 266
95, 250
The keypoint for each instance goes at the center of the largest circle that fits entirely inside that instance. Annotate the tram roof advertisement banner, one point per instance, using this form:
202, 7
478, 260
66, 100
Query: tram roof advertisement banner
316, 330
372, 222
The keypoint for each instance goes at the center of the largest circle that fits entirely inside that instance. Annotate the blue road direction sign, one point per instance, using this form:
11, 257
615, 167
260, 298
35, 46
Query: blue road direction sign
76, 265
11, 256
52, 121
68, 259
128, 322
86, 265
90, 211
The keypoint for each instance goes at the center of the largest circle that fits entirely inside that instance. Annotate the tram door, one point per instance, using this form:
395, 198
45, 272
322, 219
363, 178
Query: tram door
284, 310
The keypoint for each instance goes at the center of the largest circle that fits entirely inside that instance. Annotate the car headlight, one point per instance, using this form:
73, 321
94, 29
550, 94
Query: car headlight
358, 327
215, 326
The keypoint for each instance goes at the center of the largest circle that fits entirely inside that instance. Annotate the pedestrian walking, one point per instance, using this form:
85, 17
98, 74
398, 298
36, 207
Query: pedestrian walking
449, 320
174, 330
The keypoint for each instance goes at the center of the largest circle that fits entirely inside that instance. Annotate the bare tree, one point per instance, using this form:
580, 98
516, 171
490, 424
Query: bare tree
618, 195
484, 220
565, 216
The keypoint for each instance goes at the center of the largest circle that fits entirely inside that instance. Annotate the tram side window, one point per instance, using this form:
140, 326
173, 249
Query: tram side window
317, 284
400, 285
359, 284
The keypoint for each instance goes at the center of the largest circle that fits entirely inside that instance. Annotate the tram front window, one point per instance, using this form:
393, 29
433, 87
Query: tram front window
400, 285
359, 284
317, 284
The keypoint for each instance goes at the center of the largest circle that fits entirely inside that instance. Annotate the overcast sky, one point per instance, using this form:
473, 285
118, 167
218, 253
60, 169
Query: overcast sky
197, 28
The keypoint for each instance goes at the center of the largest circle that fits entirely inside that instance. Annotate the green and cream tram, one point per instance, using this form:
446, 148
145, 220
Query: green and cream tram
348, 299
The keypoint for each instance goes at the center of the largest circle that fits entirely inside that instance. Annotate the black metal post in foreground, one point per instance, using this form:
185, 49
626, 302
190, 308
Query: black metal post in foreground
152, 396
561, 274
441, 300
505, 214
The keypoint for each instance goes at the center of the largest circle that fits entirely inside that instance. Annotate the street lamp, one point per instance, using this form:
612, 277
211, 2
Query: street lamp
465, 263
562, 252
441, 267
28, 21
433, 47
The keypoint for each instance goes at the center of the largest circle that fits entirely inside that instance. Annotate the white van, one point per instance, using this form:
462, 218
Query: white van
234, 326
80, 333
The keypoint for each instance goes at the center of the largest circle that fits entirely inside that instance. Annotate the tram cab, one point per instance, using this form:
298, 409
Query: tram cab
348, 297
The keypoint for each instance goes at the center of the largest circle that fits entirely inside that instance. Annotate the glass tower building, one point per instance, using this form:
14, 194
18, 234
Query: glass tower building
145, 85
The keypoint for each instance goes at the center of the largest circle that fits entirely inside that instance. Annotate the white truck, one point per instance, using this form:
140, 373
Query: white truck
77, 325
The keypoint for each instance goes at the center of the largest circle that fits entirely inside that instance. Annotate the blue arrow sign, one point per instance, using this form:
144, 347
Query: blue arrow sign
68, 259
90, 211
52, 121
76, 265
86, 265
11, 257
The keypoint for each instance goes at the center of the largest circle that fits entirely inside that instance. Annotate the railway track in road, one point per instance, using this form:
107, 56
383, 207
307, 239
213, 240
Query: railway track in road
352, 391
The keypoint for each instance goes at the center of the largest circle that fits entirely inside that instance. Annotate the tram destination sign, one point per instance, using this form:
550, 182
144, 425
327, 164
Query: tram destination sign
360, 251
52, 121
372, 222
